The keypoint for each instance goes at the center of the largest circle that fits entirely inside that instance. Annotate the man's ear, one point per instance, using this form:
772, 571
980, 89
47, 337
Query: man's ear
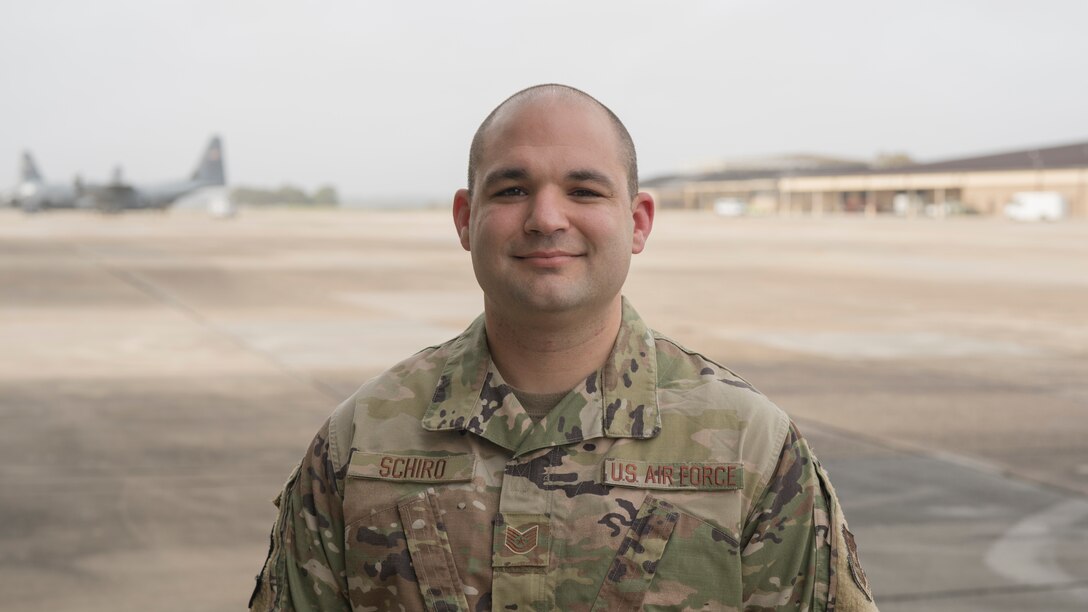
642, 212
462, 212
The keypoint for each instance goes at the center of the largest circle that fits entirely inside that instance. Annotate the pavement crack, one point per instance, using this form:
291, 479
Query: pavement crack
145, 286
921, 450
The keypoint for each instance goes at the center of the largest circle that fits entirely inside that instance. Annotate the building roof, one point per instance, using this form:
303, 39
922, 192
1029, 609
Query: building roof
1064, 156
770, 167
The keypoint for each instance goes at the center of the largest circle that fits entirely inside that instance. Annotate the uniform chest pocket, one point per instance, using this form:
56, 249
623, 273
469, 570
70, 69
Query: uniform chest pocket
413, 521
633, 568
670, 559
401, 555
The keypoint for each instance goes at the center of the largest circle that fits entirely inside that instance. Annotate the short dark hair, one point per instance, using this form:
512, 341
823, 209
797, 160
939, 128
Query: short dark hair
627, 146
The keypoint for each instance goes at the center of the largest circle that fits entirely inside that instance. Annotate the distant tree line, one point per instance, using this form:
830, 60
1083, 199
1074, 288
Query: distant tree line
287, 194
893, 159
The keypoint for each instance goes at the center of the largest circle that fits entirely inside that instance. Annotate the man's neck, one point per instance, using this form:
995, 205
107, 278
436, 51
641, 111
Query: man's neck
553, 353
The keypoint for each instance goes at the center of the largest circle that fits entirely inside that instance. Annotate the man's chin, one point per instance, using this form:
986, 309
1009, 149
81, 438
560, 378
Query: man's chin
552, 302
546, 301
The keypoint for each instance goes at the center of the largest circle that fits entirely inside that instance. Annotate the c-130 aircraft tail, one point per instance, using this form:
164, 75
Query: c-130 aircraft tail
210, 170
119, 195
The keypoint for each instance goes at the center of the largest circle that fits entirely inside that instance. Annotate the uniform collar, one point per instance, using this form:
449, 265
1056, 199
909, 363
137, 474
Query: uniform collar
619, 400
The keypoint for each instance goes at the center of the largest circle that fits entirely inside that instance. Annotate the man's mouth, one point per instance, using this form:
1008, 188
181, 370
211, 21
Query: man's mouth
547, 254
548, 258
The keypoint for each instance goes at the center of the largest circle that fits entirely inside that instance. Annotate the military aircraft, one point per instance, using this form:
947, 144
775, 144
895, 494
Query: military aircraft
34, 194
118, 195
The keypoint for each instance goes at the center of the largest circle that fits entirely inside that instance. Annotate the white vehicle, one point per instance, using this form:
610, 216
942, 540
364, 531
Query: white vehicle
730, 207
1036, 206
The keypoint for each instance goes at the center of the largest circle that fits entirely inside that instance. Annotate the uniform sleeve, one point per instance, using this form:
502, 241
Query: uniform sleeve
797, 551
305, 568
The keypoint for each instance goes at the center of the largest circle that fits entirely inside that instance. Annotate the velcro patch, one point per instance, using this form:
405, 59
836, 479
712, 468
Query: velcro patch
683, 475
412, 468
856, 572
520, 540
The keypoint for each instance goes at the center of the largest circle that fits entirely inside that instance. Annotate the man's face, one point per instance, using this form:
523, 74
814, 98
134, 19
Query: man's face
550, 224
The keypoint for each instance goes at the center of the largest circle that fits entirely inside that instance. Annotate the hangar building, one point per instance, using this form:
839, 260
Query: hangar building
818, 185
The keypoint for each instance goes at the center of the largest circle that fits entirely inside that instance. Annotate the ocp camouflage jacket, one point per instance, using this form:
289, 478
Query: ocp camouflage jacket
662, 482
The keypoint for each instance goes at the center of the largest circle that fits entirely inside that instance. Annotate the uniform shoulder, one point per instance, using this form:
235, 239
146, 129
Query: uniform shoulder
408, 382
680, 366
405, 380
699, 394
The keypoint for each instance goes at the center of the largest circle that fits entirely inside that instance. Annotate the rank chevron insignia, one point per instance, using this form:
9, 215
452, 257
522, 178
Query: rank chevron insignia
521, 542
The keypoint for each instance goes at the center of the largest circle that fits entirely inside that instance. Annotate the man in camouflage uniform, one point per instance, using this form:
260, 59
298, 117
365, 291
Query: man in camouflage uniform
559, 454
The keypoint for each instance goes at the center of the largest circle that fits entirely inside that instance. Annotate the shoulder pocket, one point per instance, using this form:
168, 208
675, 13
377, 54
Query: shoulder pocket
848, 586
265, 592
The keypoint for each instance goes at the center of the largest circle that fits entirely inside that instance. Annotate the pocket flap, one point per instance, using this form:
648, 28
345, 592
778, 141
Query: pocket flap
635, 562
429, 547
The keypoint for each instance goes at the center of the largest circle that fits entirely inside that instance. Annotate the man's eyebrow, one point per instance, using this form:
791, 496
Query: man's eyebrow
591, 175
504, 174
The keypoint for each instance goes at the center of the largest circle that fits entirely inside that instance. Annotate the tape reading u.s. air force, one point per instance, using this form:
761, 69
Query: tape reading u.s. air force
689, 475
412, 468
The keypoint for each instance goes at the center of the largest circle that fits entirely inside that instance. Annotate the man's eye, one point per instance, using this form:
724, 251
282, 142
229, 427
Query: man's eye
510, 192
585, 193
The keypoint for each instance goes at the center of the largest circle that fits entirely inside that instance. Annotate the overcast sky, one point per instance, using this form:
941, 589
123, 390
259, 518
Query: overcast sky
382, 98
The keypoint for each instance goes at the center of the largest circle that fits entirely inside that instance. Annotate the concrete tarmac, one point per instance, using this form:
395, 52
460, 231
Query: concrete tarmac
160, 375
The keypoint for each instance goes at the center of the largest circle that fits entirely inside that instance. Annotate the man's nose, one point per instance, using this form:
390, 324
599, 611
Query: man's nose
547, 212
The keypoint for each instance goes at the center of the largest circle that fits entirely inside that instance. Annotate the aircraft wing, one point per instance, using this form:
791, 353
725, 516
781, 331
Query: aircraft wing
114, 197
